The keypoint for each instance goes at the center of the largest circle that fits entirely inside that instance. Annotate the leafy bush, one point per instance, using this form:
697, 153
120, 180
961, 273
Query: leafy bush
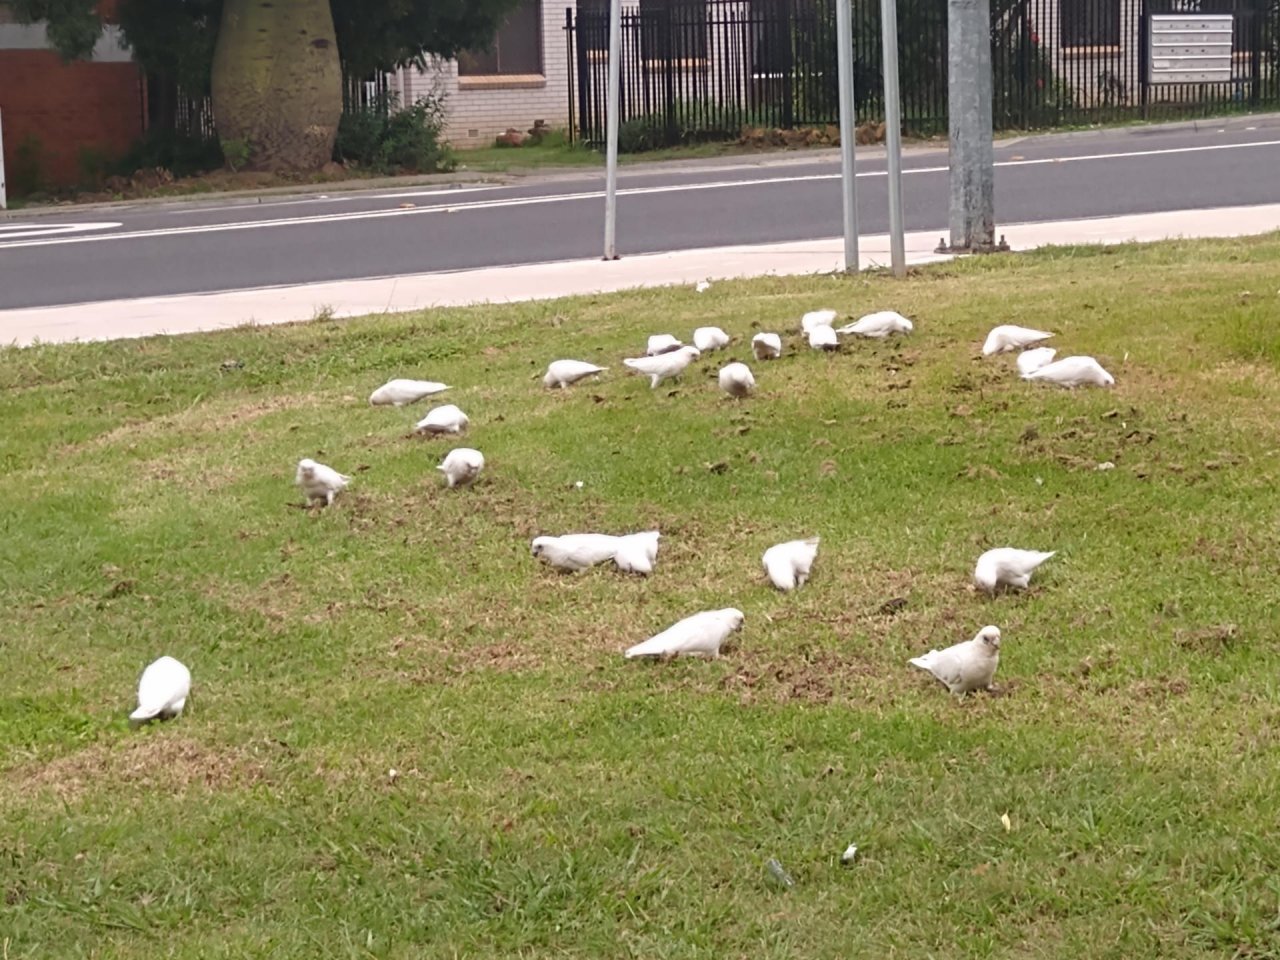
642, 133
236, 153
182, 154
359, 134
691, 121
391, 140
27, 177
93, 165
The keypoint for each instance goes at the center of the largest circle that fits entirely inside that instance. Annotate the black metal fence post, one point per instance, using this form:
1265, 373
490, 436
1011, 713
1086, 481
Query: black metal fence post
703, 69
568, 57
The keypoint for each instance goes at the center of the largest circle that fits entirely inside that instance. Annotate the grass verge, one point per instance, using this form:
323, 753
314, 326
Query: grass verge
554, 800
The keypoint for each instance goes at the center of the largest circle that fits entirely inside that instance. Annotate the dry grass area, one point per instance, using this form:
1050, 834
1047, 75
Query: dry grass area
408, 738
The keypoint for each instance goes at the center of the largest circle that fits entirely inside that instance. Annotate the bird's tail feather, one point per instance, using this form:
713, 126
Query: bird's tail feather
647, 649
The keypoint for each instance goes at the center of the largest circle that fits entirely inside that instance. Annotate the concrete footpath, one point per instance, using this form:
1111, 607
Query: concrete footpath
118, 319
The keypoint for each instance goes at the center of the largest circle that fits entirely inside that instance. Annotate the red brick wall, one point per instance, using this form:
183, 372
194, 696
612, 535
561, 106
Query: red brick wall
67, 106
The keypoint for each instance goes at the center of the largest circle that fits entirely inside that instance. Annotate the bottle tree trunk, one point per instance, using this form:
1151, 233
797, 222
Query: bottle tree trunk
277, 84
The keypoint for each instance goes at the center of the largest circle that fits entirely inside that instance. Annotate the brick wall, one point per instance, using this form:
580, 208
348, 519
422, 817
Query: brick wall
67, 108
480, 108
53, 111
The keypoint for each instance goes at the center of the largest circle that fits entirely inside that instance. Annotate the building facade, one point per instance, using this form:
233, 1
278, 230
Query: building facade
524, 78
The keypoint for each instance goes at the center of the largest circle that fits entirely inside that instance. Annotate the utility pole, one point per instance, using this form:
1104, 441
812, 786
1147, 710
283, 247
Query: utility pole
848, 132
893, 134
611, 135
972, 157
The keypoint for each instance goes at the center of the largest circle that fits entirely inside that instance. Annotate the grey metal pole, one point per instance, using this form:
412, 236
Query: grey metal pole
893, 134
972, 156
4, 203
611, 136
848, 131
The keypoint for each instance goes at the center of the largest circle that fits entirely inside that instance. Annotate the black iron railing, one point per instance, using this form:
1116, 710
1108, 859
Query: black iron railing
704, 70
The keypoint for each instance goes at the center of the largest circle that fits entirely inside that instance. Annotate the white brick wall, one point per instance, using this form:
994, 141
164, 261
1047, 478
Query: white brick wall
480, 108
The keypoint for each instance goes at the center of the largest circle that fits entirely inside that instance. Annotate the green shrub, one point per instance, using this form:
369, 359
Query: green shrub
28, 174
359, 134
93, 165
180, 153
411, 139
691, 121
643, 133
392, 141
236, 153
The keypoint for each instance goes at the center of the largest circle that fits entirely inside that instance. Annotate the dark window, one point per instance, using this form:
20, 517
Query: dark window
1090, 23
517, 47
673, 29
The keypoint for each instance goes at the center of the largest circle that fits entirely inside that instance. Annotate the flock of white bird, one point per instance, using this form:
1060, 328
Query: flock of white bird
963, 668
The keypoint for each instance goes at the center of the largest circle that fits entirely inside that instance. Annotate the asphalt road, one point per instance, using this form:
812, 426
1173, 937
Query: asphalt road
124, 251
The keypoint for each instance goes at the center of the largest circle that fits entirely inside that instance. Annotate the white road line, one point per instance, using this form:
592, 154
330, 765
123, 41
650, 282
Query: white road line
28, 228
433, 193
586, 195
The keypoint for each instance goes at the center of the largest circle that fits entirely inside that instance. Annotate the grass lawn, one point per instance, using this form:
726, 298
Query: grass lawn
554, 800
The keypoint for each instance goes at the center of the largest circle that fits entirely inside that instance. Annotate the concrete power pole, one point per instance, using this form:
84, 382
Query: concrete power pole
893, 135
969, 107
848, 132
611, 132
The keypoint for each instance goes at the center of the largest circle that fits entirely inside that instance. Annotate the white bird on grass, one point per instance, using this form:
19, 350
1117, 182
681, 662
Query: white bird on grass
736, 380
1008, 566
878, 325
319, 482
461, 466
664, 365
444, 419
766, 346
700, 635
575, 551
788, 564
163, 689
965, 667
710, 338
1073, 372
397, 393
661, 343
822, 337
561, 373
817, 318
1008, 337
703, 286
1031, 360
637, 552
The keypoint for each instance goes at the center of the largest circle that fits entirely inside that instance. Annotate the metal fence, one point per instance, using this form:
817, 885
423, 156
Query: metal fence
704, 70
170, 107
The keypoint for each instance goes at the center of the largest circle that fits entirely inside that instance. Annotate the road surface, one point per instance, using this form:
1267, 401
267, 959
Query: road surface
126, 251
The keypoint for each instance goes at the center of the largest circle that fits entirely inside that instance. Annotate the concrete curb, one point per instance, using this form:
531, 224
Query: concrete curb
120, 319
1207, 124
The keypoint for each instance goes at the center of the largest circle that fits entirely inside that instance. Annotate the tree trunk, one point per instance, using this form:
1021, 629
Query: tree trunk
277, 83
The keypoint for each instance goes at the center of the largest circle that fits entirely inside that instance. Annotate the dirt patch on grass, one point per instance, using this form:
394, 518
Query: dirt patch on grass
149, 760
277, 600
213, 417
819, 677
438, 667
